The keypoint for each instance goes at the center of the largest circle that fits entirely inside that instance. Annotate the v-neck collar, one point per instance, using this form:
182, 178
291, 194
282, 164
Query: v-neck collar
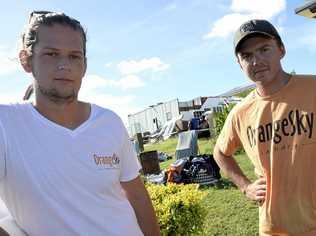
71, 132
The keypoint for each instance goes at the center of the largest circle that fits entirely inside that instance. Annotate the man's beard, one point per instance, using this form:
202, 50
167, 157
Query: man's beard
55, 96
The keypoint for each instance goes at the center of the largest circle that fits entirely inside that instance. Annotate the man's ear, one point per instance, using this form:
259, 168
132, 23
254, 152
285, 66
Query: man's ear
238, 61
85, 66
283, 51
25, 60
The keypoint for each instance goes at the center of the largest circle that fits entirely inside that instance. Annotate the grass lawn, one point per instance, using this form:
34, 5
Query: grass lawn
229, 212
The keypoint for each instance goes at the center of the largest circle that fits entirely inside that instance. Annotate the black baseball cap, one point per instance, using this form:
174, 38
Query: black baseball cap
255, 27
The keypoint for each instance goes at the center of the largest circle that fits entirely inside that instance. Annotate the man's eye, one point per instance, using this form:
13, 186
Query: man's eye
75, 57
265, 49
245, 56
51, 54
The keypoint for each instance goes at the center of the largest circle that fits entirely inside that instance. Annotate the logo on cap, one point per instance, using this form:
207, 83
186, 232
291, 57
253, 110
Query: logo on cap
247, 27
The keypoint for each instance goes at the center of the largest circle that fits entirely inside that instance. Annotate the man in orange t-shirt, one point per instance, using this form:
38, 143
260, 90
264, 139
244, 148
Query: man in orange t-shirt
275, 126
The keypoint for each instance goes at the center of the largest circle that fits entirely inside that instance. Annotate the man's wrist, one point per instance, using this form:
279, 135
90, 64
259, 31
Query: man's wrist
244, 188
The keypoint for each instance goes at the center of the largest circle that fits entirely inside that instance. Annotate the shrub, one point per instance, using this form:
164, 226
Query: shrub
179, 208
220, 118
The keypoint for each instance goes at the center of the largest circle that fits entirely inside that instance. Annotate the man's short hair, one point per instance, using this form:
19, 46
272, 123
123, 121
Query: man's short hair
47, 18
254, 28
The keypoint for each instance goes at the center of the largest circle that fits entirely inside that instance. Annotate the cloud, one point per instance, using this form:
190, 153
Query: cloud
94, 82
171, 7
91, 82
226, 25
109, 64
12, 91
129, 70
267, 9
8, 65
135, 67
11, 97
92, 90
130, 82
243, 10
122, 105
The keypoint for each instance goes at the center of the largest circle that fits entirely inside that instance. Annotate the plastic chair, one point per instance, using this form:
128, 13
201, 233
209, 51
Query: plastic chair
187, 144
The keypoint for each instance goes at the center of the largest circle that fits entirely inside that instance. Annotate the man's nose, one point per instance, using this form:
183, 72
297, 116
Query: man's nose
256, 58
63, 63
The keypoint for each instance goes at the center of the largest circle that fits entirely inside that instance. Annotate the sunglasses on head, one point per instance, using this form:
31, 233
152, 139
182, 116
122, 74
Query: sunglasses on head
35, 14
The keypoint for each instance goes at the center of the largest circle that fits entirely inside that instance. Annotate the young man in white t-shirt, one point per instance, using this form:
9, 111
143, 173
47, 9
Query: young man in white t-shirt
67, 167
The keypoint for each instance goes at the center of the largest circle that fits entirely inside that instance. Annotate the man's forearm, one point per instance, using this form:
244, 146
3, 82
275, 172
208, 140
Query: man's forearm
146, 216
231, 169
141, 203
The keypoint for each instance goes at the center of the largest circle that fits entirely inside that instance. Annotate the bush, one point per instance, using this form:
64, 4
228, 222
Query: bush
179, 208
220, 118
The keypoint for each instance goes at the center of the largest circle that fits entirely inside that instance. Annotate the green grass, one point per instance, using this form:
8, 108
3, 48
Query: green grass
229, 212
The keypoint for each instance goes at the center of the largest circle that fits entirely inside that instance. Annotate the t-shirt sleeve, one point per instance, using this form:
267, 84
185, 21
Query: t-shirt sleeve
130, 165
2, 152
228, 141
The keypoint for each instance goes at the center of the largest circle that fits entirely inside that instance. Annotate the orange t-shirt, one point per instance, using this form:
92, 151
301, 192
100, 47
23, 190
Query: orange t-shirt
278, 133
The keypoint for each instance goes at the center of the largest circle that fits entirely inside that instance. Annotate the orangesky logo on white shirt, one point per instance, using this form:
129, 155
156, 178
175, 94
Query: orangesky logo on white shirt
107, 161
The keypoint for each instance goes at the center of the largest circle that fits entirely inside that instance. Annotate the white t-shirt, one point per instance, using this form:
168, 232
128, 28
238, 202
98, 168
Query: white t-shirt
57, 181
